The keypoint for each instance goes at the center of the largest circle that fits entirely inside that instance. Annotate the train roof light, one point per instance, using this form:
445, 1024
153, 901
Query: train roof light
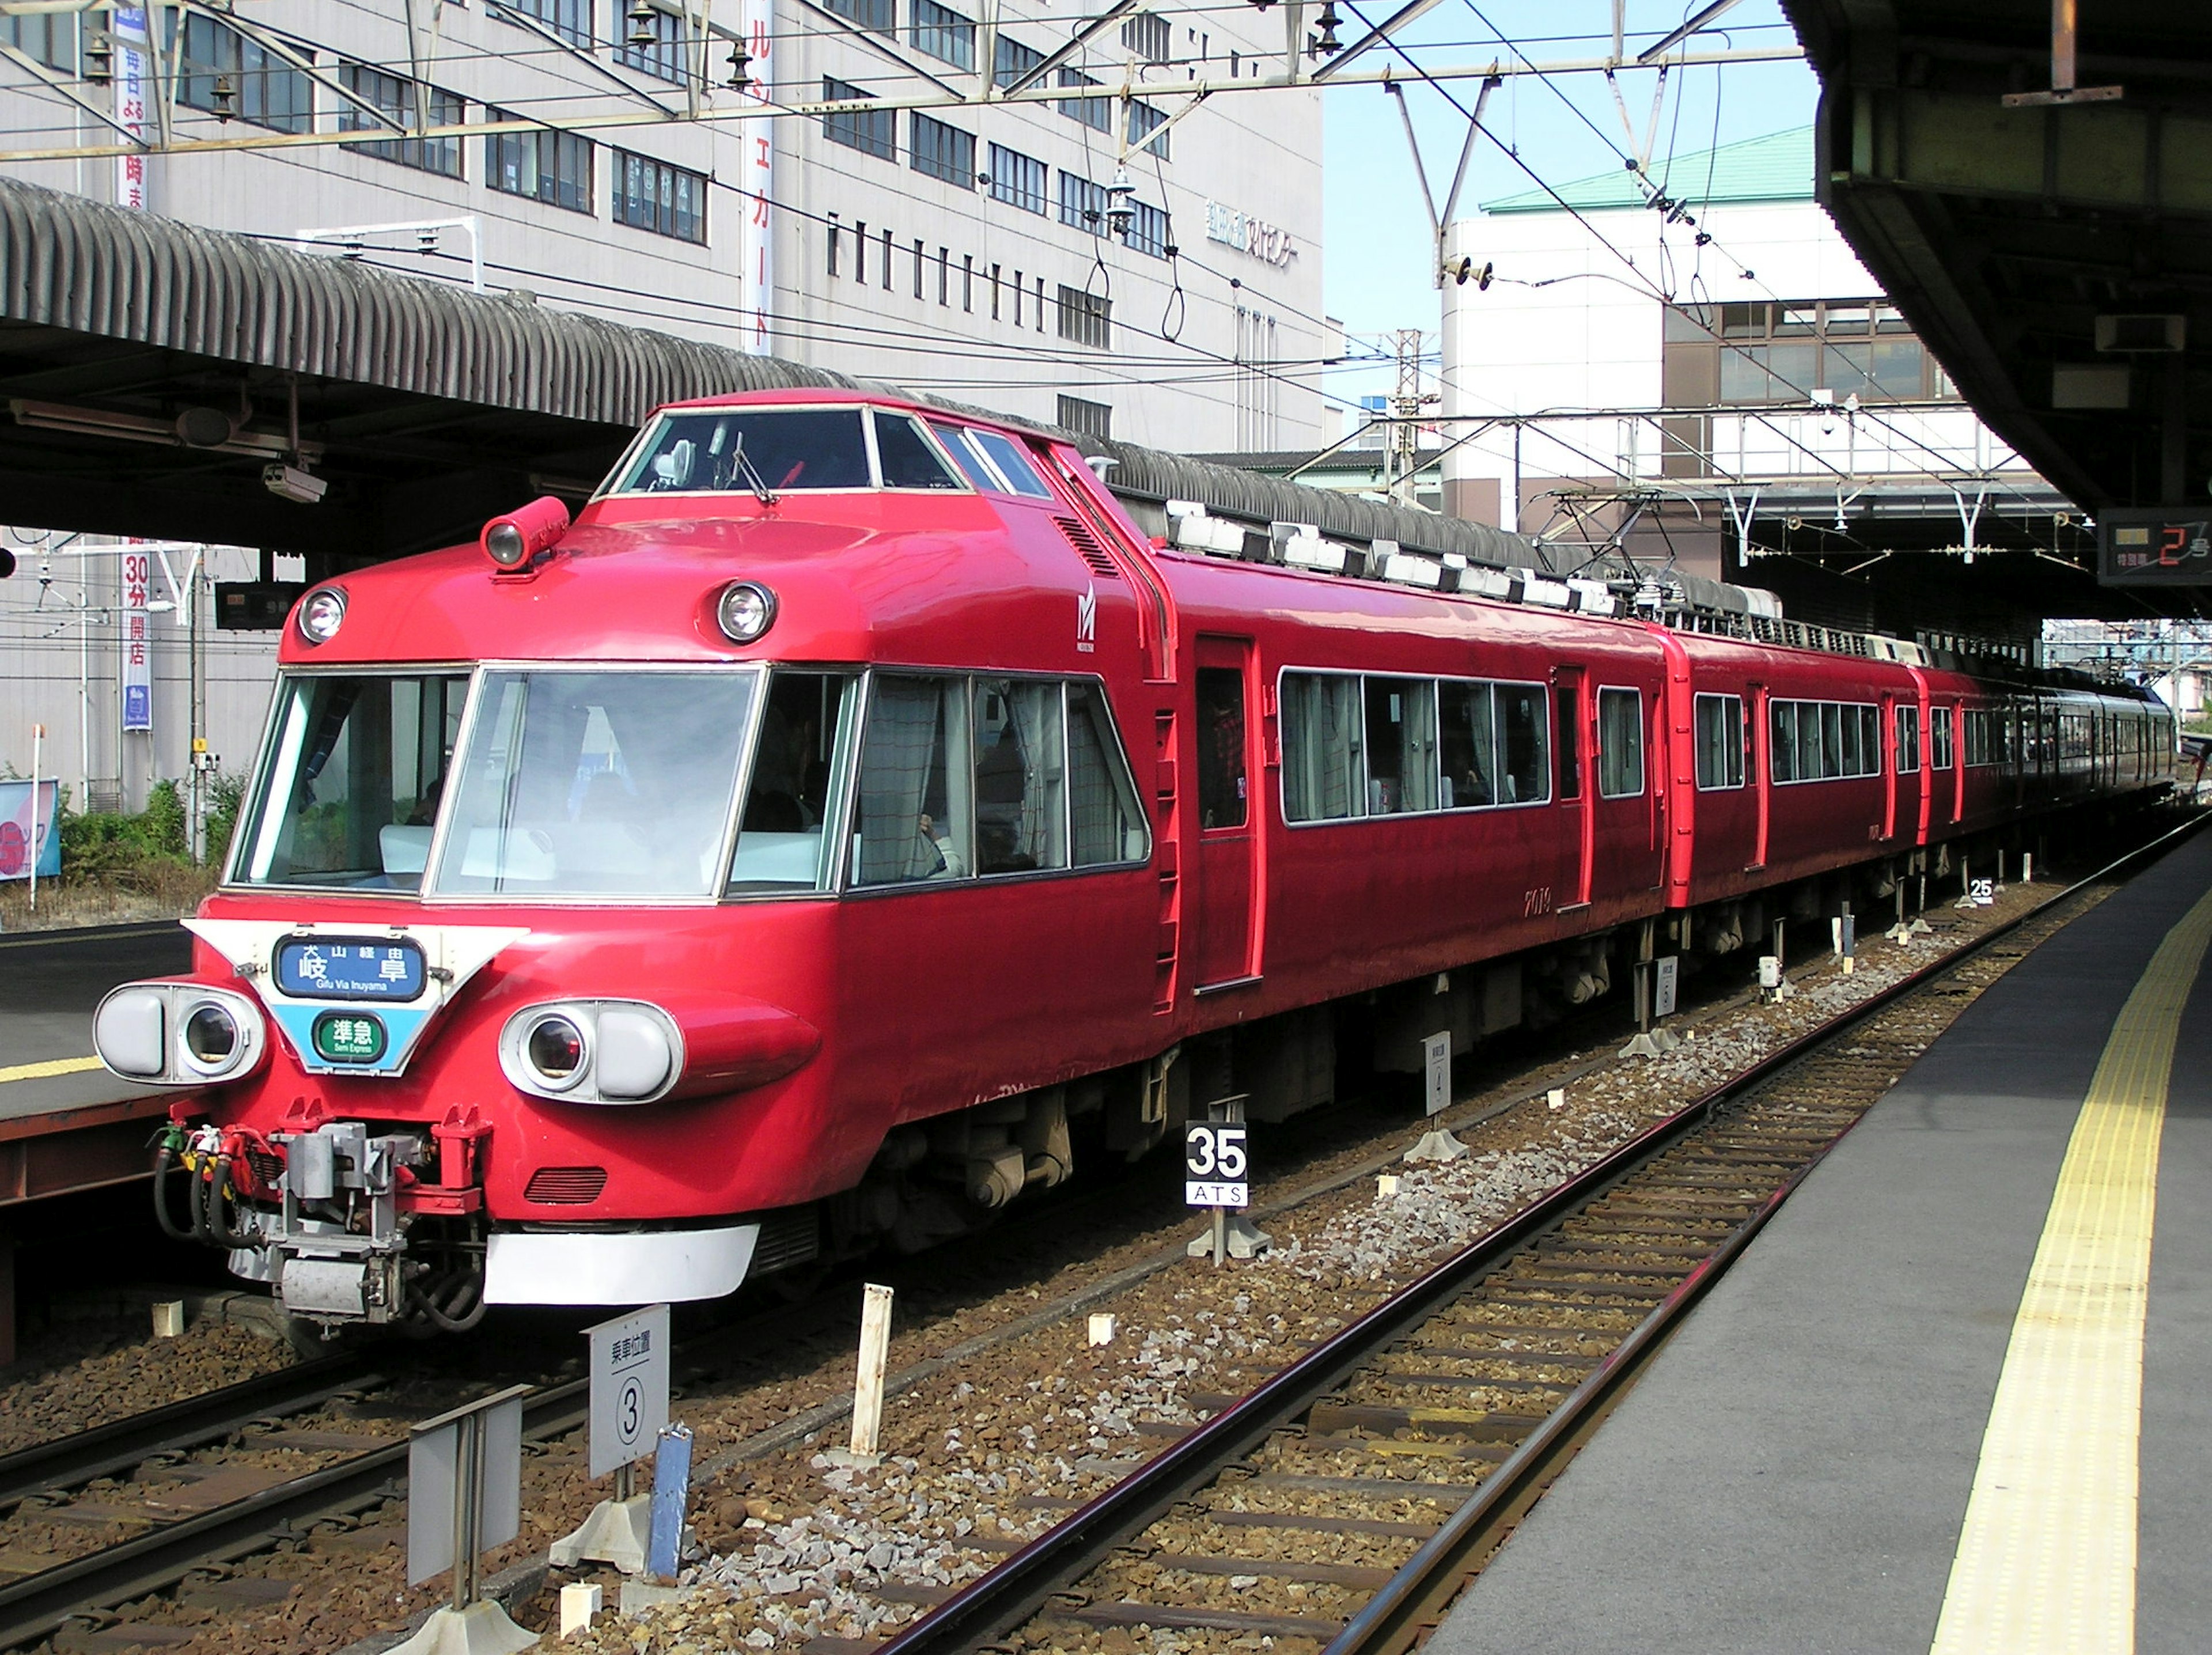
512, 542
322, 613
746, 611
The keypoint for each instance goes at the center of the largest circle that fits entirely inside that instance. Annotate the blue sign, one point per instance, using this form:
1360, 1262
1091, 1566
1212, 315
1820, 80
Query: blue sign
348, 967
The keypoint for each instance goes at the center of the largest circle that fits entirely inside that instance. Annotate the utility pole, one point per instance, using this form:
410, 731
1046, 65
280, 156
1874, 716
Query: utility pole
1405, 411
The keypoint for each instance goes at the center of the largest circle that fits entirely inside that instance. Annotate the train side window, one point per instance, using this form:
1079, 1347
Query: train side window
1908, 740
1870, 740
1012, 465
1568, 724
905, 457
1105, 823
1781, 741
1528, 767
1221, 779
1835, 759
1720, 742
1321, 747
1938, 737
1467, 745
915, 808
1620, 743
1401, 745
1021, 808
955, 439
1812, 765
781, 836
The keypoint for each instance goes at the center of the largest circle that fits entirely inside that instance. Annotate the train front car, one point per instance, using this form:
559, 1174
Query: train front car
524, 981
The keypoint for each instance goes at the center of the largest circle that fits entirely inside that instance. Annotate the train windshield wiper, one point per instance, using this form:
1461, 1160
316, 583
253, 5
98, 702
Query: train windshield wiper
754, 480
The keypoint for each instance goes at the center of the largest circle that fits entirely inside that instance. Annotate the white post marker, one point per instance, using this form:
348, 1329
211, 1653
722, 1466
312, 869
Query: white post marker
866, 1451
465, 1497
1216, 1166
629, 1404
1102, 1329
1436, 1144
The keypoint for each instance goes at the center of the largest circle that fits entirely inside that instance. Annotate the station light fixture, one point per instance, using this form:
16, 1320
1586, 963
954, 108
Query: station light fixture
322, 612
746, 611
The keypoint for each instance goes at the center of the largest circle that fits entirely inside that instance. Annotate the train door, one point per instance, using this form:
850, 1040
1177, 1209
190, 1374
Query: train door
1571, 741
1759, 736
1892, 725
1229, 880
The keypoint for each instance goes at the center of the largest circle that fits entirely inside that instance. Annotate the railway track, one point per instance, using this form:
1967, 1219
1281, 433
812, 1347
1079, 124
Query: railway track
1347, 1501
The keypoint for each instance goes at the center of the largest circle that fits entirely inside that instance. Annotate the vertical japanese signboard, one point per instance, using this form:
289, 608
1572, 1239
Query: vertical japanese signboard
135, 630
757, 178
132, 48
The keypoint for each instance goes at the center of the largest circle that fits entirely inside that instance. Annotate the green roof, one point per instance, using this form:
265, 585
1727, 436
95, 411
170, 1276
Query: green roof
1777, 167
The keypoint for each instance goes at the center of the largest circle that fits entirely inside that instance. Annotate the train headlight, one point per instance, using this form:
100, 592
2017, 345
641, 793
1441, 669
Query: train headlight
504, 544
746, 611
322, 614
592, 1051
185, 1033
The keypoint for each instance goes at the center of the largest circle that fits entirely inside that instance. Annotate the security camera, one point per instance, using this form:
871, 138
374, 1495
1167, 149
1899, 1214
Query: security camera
290, 482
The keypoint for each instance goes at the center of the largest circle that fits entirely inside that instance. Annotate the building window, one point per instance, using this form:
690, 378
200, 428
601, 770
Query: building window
1096, 113
394, 94
651, 195
944, 33
1093, 419
873, 131
664, 57
554, 167
944, 151
569, 19
1012, 60
1147, 36
1017, 179
1754, 355
222, 71
1148, 229
1144, 121
1082, 204
868, 14
1087, 318
43, 37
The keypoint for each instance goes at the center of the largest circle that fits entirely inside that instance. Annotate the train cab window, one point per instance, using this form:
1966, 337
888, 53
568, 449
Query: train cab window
1103, 818
782, 840
1938, 737
916, 806
356, 767
1719, 742
1467, 745
1620, 743
1222, 784
585, 782
956, 442
1527, 770
1568, 724
1321, 747
1401, 745
904, 455
724, 451
1908, 740
1021, 804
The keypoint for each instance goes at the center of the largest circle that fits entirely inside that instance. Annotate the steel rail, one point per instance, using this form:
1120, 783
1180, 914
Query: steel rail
1018, 1590
72, 1461
39, 1604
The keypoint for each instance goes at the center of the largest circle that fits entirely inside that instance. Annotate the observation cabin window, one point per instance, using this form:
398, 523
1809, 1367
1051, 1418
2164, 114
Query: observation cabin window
350, 789
990, 776
1620, 743
783, 840
595, 783
1221, 783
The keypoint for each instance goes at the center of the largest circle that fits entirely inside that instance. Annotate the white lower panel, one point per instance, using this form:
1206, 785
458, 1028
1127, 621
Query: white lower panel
637, 1267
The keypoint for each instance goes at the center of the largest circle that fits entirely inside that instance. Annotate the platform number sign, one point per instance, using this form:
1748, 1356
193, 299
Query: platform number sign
1215, 1166
630, 1388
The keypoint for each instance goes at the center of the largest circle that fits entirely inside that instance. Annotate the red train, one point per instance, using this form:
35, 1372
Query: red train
853, 821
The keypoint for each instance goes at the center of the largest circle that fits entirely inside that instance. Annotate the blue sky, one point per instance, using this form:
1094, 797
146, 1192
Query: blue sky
1377, 240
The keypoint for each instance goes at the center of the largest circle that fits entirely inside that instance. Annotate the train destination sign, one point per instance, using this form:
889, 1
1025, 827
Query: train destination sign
348, 967
2150, 547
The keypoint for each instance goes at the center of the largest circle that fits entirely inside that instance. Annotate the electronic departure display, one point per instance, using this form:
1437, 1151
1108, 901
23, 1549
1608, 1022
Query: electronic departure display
2151, 546
348, 967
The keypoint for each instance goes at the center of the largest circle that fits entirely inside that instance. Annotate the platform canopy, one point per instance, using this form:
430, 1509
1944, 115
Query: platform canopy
2045, 224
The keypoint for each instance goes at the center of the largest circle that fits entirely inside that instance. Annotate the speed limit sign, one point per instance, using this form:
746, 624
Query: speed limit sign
1215, 1164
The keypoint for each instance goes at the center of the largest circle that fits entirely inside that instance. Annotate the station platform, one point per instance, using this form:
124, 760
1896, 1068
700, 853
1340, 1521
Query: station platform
1952, 1398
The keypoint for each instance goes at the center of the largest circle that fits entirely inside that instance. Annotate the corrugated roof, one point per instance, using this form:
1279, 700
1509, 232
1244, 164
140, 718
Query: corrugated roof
1777, 167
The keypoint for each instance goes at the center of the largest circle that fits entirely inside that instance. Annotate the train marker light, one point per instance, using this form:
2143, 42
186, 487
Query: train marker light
210, 1037
746, 611
554, 1048
322, 613
513, 541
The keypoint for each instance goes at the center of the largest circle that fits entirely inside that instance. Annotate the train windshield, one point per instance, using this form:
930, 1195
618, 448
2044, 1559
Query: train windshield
732, 450
595, 783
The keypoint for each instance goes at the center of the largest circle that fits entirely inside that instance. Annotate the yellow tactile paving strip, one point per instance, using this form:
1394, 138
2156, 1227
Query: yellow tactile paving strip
48, 1070
2046, 1558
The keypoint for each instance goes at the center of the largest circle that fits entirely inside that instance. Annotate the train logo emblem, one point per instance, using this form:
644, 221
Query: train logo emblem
1086, 620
